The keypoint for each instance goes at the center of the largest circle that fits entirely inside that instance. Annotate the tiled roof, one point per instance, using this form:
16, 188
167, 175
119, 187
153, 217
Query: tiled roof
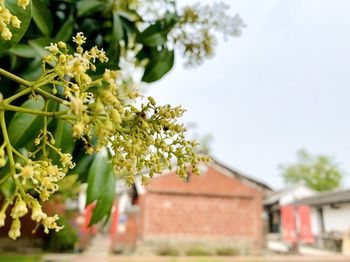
327, 198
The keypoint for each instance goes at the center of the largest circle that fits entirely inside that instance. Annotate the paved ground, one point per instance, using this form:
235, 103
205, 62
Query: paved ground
99, 251
97, 258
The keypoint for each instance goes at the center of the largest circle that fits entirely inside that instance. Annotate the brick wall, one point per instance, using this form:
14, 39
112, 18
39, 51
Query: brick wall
213, 206
125, 241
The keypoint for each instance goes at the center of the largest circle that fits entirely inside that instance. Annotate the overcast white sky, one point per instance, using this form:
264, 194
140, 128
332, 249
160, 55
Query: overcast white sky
282, 86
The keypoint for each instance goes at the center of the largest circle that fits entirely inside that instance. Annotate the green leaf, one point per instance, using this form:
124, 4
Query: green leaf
89, 7
153, 35
160, 63
66, 31
157, 34
42, 17
118, 32
129, 27
105, 201
23, 50
8, 187
67, 183
97, 177
17, 33
33, 70
83, 162
130, 15
39, 45
25, 127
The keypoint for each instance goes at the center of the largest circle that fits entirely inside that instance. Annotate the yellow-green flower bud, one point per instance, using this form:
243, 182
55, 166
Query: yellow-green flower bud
2, 218
15, 230
20, 208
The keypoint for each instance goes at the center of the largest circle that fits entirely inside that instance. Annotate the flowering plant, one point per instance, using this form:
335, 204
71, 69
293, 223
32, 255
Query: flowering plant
69, 104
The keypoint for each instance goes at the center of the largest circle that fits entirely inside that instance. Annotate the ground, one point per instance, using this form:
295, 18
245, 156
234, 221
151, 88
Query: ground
82, 258
98, 251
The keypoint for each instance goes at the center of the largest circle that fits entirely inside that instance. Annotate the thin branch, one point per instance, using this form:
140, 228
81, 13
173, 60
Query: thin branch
32, 111
15, 78
19, 94
50, 96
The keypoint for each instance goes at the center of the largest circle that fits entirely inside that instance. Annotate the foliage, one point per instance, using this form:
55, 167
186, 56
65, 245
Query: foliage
167, 250
70, 103
64, 240
227, 251
9, 257
197, 251
318, 172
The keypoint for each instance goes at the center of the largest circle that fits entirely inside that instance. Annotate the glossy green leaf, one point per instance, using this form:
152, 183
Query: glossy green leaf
23, 50
157, 33
89, 7
25, 127
42, 17
66, 31
118, 32
160, 63
97, 176
83, 162
130, 15
105, 201
129, 27
33, 70
39, 45
67, 183
154, 35
8, 187
17, 33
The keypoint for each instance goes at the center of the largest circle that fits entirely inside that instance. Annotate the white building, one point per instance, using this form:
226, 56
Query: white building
329, 214
330, 211
289, 195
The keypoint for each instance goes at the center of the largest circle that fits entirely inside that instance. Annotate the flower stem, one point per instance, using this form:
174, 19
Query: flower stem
50, 96
15, 78
9, 152
45, 130
19, 94
31, 111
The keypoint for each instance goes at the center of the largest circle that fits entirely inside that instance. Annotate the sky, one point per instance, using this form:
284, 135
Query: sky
282, 86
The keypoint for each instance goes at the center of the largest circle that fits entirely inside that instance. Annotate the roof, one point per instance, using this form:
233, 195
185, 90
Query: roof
242, 176
217, 180
274, 197
327, 198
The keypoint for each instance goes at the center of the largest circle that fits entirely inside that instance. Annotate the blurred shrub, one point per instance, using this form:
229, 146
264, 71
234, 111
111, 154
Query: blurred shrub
227, 251
197, 251
167, 251
63, 241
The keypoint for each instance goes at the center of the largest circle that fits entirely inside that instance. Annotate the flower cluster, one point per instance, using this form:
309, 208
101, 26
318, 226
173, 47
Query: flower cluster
7, 19
194, 34
21, 203
41, 177
103, 115
152, 140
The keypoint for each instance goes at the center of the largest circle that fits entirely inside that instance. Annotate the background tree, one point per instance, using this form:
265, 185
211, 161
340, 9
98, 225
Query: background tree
318, 172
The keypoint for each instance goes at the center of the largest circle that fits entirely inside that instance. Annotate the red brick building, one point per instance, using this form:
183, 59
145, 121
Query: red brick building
220, 206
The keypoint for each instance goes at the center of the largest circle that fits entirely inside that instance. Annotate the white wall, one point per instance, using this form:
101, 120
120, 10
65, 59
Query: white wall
336, 219
315, 222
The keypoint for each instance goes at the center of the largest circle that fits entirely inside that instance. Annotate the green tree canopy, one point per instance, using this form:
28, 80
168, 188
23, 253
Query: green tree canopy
319, 172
